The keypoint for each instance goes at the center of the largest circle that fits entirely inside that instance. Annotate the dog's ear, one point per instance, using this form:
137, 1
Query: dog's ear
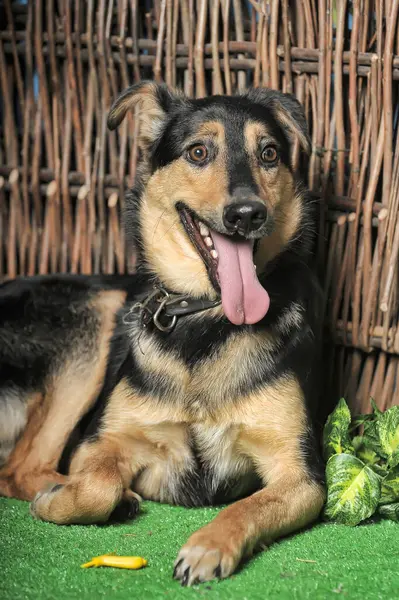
287, 111
154, 102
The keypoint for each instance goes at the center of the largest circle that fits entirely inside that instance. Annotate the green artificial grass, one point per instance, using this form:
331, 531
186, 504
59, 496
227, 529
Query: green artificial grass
42, 561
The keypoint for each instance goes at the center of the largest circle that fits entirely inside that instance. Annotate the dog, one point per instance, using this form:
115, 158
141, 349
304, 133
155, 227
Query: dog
193, 381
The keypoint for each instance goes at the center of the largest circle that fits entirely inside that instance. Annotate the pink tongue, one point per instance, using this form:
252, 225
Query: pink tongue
244, 300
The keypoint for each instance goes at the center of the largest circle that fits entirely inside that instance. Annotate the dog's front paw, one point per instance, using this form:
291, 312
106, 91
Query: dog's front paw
39, 507
49, 489
207, 555
80, 502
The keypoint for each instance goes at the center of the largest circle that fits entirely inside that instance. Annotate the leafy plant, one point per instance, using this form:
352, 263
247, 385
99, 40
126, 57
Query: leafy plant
362, 471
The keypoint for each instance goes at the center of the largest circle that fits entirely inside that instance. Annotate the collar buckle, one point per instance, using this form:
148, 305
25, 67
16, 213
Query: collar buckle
157, 314
160, 303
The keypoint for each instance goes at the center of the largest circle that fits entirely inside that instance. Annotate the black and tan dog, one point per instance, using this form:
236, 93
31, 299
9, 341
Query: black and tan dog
192, 381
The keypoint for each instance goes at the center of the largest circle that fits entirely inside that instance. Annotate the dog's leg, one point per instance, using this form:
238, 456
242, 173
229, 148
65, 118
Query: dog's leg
215, 550
103, 469
33, 462
276, 436
97, 485
19, 478
69, 394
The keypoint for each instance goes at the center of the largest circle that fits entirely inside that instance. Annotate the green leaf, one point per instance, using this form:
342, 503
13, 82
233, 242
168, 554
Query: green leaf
364, 452
381, 470
390, 511
371, 436
357, 442
376, 410
394, 461
361, 419
336, 431
388, 426
367, 417
353, 490
367, 455
382, 435
390, 487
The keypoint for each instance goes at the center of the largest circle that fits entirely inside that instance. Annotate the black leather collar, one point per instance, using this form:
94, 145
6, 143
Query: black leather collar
164, 308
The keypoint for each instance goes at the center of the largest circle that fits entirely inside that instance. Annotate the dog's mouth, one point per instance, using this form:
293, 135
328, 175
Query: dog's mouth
231, 269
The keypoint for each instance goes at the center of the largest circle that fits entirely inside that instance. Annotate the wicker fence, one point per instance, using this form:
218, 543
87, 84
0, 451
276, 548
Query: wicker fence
63, 175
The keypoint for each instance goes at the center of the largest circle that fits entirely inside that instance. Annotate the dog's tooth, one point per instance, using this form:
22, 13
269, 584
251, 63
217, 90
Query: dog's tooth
204, 231
214, 254
208, 242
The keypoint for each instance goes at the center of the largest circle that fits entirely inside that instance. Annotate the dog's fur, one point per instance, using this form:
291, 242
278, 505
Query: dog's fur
209, 412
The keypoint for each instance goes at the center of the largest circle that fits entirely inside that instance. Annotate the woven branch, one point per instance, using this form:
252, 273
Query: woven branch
63, 176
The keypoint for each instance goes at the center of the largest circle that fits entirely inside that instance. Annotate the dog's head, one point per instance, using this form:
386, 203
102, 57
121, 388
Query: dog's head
217, 182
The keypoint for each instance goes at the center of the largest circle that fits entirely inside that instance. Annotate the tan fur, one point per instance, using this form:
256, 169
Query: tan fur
155, 437
274, 421
69, 394
93, 489
220, 445
15, 480
277, 510
98, 481
276, 187
228, 369
148, 443
206, 192
287, 218
13, 419
276, 182
289, 123
291, 318
153, 360
150, 114
209, 129
203, 190
167, 244
101, 471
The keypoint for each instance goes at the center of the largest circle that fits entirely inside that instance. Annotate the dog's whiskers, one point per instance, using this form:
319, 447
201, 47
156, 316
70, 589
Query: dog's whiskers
174, 223
157, 225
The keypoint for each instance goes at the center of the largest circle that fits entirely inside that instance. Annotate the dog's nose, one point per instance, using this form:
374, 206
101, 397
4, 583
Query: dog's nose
244, 217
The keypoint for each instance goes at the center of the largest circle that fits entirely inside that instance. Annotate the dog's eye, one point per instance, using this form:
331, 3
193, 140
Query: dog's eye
269, 154
198, 153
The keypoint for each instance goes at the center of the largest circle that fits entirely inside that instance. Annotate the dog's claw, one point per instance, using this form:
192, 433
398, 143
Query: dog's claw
55, 488
185, 577
218, 572
198, 563
177, 565
52, 488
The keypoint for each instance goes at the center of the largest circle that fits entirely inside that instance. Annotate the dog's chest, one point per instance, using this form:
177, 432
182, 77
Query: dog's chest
199, 460
200, 465
202, 387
